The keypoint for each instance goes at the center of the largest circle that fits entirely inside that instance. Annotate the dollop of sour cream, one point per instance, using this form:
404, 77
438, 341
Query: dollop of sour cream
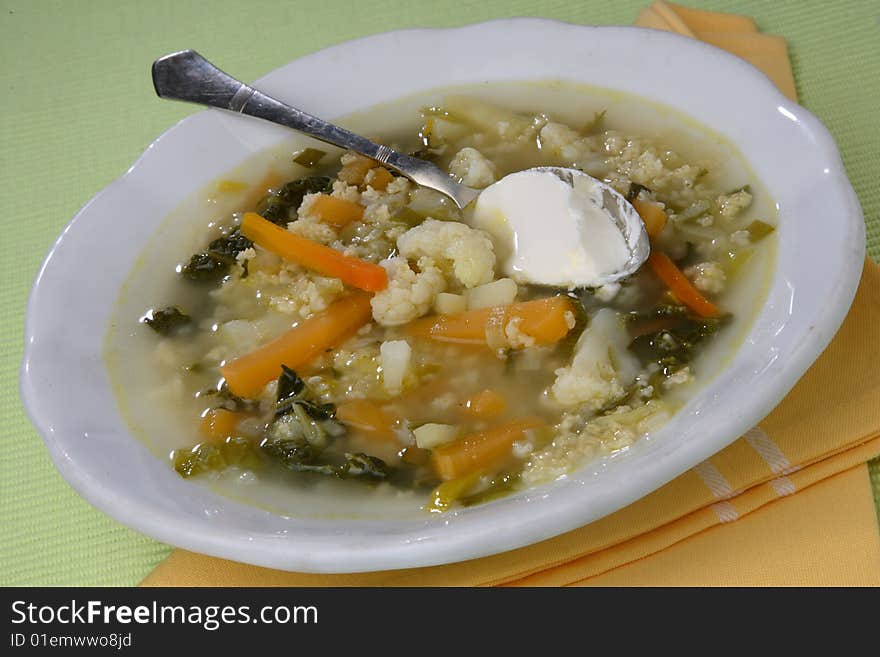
550, 231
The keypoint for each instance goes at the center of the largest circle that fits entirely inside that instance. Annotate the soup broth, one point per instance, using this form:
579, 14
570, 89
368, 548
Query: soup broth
419, 378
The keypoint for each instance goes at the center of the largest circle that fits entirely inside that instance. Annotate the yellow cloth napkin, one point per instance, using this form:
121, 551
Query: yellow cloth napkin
736, 34
733, 519
740, 554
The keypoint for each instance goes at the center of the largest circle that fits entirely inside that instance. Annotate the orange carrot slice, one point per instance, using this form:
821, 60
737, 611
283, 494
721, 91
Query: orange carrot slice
680, 286
378, 178
486, 450
368, 417
312, 255
545, 320
336, 211
487, 403
247, 376
353, 172
652, 215
219, 423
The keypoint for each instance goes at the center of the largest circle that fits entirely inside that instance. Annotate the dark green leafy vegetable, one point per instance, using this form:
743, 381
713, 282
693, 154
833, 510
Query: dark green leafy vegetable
296, 424
167, 321
309, 157
298, 436
299, 419
279, 208
228, 399
203, 267
317, 411
363, 466
669, 336
274, 209
229, 246
292, 391
213, 263
207, 457
290, 385
300, 457
660, 311
297, 456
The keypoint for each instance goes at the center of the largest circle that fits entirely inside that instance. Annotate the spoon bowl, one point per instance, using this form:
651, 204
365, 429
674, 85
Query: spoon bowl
570, 230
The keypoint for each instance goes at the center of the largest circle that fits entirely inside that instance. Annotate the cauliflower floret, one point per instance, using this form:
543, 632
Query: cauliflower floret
313, 229
707, 277
730, 205
648, 166
394, 196
602, 367
346, 192
472, 168
409, 294
469, 251
569, 148
556, 136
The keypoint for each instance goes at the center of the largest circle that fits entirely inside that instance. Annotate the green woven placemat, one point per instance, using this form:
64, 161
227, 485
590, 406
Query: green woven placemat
78, 108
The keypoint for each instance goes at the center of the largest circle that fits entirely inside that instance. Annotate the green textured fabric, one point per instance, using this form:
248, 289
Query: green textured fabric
78, 108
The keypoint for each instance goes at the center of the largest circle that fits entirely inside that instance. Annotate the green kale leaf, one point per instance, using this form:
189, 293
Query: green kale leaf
167, 321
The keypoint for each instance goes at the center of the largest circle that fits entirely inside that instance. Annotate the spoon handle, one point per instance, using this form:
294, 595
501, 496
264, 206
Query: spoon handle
188, 76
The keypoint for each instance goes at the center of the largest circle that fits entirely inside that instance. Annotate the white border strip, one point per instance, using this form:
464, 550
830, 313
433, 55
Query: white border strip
720, 488
769, 451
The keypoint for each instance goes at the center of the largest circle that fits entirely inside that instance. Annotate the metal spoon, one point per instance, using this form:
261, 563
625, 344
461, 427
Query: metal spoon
187, 76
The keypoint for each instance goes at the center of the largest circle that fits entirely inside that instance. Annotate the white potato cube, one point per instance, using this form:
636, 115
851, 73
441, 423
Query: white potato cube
497, 293
395, 356
431, 435
446, 303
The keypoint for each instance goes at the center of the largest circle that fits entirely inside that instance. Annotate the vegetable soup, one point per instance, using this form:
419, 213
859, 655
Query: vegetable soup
318, 336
